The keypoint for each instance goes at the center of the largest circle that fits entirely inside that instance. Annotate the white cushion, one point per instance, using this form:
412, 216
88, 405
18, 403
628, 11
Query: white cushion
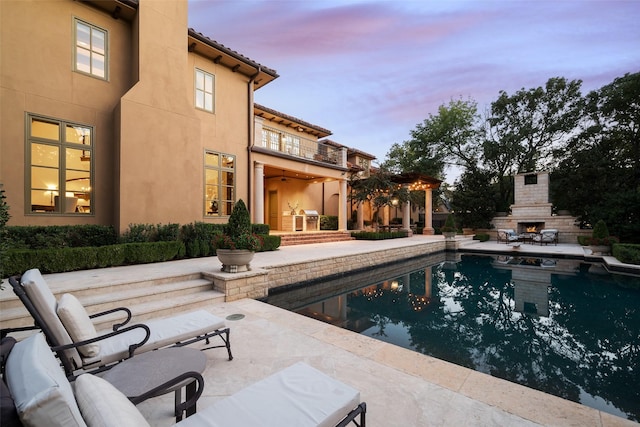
40, 389
102, 405
45, 303
298, 396
78, 324
164, 332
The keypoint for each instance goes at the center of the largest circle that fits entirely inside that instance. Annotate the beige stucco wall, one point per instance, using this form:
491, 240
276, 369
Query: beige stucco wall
36, 48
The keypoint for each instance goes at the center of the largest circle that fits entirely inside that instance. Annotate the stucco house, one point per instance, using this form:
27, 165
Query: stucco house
114, 112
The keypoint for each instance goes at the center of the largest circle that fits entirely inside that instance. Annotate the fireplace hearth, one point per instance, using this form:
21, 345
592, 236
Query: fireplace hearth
530, 227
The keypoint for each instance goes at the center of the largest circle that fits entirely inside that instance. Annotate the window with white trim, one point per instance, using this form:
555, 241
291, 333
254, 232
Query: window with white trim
90, 53
60, 159
219, 185
204, 90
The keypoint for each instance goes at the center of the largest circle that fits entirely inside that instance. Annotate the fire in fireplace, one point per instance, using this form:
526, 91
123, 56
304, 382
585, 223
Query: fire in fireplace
530, 227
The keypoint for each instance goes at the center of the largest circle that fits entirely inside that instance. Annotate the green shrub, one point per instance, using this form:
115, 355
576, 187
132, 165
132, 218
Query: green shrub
483, 237
375, 235
270, 243
262, 229
626, 253
110, 256
51, 260
328, 222
59, 236
144, 253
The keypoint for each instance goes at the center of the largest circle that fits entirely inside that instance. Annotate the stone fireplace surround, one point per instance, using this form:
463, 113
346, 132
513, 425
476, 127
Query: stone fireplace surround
532, 208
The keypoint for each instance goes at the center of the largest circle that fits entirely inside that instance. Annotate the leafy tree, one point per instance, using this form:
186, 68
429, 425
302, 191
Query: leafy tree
448, 137
474, 199
526, 126
378, 189
598, 177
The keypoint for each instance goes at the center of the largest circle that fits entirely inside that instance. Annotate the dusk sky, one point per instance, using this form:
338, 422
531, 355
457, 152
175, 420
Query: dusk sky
370, 71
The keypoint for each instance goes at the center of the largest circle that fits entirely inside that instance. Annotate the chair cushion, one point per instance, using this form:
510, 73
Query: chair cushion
102, 405
45, 303
164, 332
298, 396
78, 324
40, 389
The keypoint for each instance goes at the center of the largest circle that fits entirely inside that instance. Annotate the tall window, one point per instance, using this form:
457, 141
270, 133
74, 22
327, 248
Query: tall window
219, 185
60, 159
204, 90
90, 49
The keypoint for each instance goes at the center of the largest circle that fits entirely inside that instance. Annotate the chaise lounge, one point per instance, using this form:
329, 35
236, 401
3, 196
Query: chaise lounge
298, 396
70, 332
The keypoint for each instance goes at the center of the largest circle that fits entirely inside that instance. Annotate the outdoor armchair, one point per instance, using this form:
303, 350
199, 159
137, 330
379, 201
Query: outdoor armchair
547, 236
71, 334
507, 236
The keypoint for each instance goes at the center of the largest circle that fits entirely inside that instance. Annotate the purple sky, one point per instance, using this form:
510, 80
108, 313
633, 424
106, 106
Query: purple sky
370, 71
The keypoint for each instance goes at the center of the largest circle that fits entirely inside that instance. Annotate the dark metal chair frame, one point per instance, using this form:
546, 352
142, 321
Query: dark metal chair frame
118, 328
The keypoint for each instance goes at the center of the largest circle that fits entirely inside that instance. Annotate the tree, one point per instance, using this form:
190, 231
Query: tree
378, 189
474, 199
598, 177
448, 137
526, 126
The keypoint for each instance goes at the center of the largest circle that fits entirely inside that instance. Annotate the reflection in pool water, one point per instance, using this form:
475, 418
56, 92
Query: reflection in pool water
557, 325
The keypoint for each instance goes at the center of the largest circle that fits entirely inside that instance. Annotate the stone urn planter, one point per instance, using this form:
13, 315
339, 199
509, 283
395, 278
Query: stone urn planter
449, 235
235, 260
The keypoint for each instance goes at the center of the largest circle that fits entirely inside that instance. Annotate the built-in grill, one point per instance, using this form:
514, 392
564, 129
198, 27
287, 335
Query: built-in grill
311, 217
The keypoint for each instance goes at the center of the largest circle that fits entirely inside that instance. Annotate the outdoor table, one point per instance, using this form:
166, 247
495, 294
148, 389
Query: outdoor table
136, 376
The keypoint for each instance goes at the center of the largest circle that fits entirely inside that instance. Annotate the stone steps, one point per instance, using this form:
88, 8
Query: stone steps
315, 237
147, 299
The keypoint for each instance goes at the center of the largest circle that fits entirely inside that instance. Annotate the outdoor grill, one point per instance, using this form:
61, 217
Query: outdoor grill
311, 217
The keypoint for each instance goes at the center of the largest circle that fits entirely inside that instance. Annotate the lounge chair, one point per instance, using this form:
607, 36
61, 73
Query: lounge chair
507, 236
72, 335
547, 236
298, 396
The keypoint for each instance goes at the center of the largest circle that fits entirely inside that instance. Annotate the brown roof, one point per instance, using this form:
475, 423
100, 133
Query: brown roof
220, 54
290, 121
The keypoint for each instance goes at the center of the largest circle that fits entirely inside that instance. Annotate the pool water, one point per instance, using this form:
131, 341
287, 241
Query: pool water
561, 326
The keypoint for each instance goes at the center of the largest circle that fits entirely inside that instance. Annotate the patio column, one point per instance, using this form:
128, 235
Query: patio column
428, 213
258, 193
406, 220
342, 206
360, 216
385, 215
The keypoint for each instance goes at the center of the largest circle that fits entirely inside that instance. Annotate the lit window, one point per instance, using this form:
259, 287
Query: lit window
61, 164
90, 50
530, 179
204, 90
219, 185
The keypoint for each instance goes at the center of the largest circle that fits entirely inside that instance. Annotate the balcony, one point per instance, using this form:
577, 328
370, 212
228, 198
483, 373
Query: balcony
293, 145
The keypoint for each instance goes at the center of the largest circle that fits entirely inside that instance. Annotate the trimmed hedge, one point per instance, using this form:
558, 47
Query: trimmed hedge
483, 237
627, 253
374, 235
270, 243
85, 258
328, 222
56, 236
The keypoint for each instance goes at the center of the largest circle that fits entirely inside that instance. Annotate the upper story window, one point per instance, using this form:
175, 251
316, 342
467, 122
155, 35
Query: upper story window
90, 49
219, 185
60, 159
204, 90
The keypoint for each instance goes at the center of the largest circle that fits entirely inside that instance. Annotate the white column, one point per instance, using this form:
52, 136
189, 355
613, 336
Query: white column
428, 213
406, 216
385, 215
342, 206
258, 193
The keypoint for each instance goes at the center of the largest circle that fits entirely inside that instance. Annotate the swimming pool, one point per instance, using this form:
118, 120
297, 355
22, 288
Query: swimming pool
561, 326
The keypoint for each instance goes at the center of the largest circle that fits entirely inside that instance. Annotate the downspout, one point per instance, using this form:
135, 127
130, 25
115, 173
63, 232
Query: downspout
250, 132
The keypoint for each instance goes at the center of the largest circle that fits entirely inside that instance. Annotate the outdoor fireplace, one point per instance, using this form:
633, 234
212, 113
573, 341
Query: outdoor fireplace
530, 227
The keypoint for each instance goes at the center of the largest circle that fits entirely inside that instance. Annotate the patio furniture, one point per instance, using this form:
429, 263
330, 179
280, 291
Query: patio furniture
507, 236
71, 334
149, 371
547, 236
295, 396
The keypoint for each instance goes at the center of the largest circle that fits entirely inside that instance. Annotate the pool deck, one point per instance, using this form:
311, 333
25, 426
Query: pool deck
400, 387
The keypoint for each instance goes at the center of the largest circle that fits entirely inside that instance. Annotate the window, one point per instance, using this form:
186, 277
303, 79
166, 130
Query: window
204, 90
60, 159
90, 49
530, 179
219, 185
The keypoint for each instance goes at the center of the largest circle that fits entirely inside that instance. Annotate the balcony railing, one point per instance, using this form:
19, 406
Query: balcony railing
296, 146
